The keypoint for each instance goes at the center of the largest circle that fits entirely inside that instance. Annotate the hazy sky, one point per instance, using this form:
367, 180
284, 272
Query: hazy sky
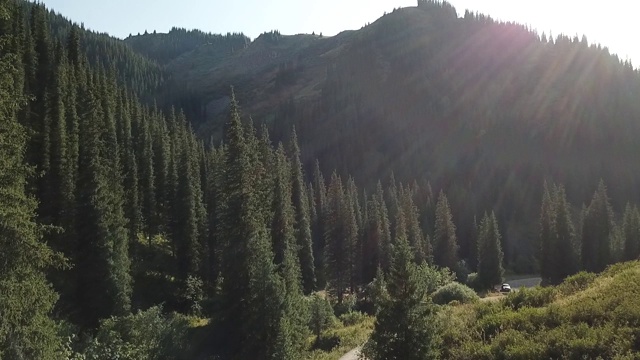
607, 22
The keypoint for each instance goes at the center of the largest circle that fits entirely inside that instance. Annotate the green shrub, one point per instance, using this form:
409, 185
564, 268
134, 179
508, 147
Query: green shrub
352, 318
577, 282
535, 297
320, 315
146, 335
462, 271
326, 342
454, 291
472, 281
348, 305
432, 278
618, 268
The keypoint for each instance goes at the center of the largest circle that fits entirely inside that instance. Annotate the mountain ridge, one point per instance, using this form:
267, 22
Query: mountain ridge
485, 110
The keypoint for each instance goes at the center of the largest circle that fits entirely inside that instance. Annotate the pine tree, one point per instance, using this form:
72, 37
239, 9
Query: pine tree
186, 235
445, 244
129, 168
145, 172
213, 200
473, 250
405, 326
597, 231
293, 330
351, 214
547, 235
372, 235
414, 231
490, 254
302, 216
564, 252
259, 322
26, 329
631, 232
337, 247
102, 263
259, 315
385, 228
318, 225
282, 224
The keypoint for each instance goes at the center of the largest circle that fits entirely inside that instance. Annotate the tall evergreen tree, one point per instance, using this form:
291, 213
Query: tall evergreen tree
372, 234
547, 235
213, 199
414, 231
490, 256
473, 250
351, 214
26, 329
282, 224
187, 230
405, 326
102, 263
258, 315
445, 243
385, 228
564, 253
293, 331
302, 216
337, 265
631, 232
597, 230
318, 225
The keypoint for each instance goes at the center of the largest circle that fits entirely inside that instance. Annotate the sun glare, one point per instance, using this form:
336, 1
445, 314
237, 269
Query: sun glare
607, 23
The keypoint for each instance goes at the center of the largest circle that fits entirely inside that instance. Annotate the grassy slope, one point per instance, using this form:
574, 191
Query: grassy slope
350, 336
587, 317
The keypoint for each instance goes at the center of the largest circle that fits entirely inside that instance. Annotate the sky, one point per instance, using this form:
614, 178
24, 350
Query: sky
609, 23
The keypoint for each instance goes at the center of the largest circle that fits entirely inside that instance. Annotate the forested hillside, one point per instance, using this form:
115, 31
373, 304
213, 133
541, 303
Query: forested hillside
485, 110
191, 195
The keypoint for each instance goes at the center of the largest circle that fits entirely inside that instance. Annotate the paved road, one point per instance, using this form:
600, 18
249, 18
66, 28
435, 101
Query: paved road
351, 355
515, 285
530, 282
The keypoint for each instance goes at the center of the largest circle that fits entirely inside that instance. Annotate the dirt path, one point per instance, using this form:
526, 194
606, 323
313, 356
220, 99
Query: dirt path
351, 355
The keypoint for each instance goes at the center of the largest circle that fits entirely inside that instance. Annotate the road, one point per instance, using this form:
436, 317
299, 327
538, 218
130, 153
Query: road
515, 285
351, 355
529, 282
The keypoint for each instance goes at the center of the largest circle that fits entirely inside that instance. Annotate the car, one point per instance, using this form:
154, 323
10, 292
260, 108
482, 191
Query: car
505, 288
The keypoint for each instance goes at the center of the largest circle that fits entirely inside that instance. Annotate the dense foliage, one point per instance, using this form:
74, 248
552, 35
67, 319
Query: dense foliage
584, 317
124, 234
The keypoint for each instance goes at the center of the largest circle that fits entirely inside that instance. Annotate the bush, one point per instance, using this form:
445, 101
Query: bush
577, 282
535, 297
375, 293
326, 342
348, 305
454, 291
352, 318
472, 281
321, 315
432, 278
147, 335
462, 271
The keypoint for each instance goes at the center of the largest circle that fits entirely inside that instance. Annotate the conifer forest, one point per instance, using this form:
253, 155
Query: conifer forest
191, 195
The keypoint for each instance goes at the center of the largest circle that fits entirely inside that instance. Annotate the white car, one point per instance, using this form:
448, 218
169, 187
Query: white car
505, 288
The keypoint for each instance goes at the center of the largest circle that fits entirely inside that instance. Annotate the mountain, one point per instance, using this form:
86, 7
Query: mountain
483, 109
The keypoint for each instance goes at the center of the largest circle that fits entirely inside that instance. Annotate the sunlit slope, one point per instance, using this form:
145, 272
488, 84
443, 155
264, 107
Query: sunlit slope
586, 317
